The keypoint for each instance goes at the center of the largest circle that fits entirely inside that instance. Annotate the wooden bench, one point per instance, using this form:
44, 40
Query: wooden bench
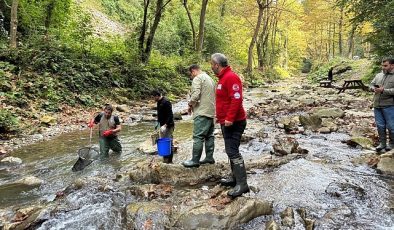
352, 84
325, 84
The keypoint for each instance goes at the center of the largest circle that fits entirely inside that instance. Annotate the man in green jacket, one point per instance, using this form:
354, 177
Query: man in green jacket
202, 105
383, 103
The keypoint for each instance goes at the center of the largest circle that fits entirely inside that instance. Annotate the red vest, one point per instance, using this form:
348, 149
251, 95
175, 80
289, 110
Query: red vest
229, 97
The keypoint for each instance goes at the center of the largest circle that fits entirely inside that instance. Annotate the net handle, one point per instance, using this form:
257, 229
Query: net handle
90, 137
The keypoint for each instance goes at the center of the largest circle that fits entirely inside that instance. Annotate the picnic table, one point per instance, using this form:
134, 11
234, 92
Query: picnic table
352, 84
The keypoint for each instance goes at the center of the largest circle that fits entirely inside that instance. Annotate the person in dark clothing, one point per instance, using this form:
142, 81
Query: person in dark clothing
109, 127
231, 116
330, 75
165, 119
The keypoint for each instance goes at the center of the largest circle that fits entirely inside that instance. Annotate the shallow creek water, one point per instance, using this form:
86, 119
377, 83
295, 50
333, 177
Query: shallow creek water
335, 192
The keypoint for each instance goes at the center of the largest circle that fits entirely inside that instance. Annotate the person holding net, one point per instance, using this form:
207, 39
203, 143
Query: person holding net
109, 128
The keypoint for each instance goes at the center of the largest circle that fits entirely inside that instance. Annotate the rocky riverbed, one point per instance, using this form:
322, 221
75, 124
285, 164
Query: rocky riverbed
309, 154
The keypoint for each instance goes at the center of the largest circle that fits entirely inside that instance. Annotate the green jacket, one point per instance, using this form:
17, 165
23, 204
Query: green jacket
387, 97
202, 96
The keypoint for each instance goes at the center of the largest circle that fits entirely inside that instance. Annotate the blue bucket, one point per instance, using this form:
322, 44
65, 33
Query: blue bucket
164, 146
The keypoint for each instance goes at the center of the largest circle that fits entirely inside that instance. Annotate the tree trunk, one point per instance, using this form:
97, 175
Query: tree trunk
14, 23
262, 40
191, 23
340, 33
351, 41
254, 38
223, 9
333, 42
141, 39
48, 17
149, 40
202, 25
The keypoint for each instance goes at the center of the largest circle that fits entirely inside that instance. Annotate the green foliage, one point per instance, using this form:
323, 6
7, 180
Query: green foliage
8, 123
380, 14
215, 38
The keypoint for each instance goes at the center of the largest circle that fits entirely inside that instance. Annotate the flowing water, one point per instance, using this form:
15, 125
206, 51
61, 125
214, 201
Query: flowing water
337, 193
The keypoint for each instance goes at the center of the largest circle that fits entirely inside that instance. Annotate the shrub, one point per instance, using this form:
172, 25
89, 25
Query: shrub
9, 124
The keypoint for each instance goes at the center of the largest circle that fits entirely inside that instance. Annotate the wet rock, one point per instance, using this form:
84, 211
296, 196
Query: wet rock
240, 210
270, 161
289, 123
157, 172
386, 163
345, 190
364, 142
123, 108
286, 146
272, 225
30, 181
148, 215
11, 161
324, 130
330, 124
308, 223
48, 120
25, 218
177, 116
330, 113
312, 122
287, 217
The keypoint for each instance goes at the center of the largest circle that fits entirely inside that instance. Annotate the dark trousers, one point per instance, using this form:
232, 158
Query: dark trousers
232, 138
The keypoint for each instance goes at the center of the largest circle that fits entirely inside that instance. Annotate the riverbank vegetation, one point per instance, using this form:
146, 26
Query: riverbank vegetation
79, 54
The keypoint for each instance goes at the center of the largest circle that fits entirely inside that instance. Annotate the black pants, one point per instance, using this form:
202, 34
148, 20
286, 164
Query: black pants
232, 138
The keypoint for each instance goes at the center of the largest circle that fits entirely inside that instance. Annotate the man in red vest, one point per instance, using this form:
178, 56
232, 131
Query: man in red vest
231, 116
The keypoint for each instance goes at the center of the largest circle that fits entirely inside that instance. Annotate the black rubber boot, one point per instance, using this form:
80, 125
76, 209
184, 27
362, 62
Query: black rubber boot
390, 146
230, 180
239, 171
382, 140
168, 159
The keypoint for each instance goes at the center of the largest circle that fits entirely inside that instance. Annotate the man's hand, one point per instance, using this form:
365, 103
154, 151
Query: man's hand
378, 90
189, 110
108, 133
163, 128
228, 123
91, 123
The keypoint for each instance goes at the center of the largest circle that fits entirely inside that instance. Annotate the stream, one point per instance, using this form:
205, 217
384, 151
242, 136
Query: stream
337, 190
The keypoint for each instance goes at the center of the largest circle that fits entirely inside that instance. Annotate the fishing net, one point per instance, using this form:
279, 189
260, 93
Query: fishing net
87, 153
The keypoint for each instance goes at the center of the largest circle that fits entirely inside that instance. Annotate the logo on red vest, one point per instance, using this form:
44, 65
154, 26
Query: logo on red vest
237, 95
236, 87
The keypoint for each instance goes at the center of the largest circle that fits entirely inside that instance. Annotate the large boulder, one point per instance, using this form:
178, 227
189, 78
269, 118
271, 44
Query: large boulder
364, 142
11, 161
241, 210
157, 172
312, 122
30, 181
286, 146
386, 163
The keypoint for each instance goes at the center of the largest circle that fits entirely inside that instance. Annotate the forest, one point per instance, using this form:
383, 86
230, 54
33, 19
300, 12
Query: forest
79, 53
